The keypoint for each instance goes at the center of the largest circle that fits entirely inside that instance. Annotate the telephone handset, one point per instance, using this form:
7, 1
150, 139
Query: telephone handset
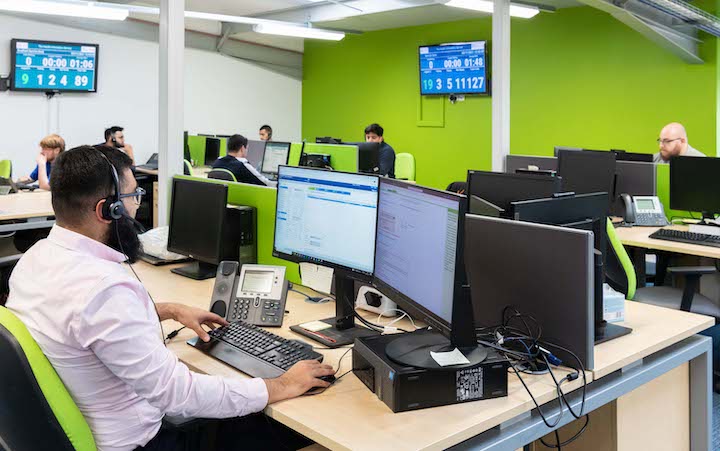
644, 211
255, 294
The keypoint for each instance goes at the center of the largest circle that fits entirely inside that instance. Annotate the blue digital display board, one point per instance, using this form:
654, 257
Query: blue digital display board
53, 66
455, 68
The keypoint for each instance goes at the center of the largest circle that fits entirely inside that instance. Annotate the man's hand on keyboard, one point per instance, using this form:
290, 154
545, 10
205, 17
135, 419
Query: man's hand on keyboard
193, 318
297, 380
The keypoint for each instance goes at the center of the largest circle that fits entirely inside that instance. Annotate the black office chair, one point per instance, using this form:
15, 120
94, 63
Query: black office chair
457, 187
222, 174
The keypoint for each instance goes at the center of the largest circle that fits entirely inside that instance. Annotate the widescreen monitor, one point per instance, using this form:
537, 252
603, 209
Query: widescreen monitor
453, 68
50, 66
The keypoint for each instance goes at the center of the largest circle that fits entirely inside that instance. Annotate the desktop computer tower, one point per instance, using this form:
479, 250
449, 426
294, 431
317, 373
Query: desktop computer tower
240, 231
403, 388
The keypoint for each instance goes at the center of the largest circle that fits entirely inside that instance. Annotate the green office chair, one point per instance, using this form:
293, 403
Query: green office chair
620, 274
36, 410
6, 168
187, 168
222, 174
405, 166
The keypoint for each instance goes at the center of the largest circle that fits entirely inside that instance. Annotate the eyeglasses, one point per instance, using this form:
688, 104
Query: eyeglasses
666, 141
136, 195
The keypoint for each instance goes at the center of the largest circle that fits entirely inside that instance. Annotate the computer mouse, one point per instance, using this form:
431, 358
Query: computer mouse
330, 378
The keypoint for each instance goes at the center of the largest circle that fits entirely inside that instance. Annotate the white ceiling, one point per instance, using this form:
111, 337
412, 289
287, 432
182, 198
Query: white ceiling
406, 13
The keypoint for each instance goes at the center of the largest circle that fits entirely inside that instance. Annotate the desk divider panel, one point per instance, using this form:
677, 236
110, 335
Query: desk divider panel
223, 147
197, 149
295, 151
342, 157
263, 198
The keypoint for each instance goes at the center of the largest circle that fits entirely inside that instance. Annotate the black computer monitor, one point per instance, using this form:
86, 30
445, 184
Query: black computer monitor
621, 155
587, 172
212, 150
695, 185
276, 155
540, 270
585, 212
328, 140
329, 218
256, 153
368, 156
418, 264
186, 147
201, 240
223, 136
500, 189
558, 149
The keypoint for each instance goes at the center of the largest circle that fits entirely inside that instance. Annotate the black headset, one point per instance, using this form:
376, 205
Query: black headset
113, 209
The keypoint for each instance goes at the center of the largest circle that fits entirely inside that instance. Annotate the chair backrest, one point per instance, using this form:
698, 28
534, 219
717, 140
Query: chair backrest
36, 410
619, 270
6, 168
187, 168
222, 174
405, 166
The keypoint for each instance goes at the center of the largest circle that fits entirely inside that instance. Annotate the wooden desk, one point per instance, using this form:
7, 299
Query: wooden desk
639, 237
349, 416
35, 207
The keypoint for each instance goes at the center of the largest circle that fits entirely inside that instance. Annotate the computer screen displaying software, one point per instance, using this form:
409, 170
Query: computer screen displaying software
326, 216
417, 245
276, 154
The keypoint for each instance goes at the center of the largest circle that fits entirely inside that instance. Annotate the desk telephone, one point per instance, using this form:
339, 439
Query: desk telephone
254, 294
644, 211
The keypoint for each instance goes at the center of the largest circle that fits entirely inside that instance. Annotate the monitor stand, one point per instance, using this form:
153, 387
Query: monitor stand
413, 349
342, 330
708, 218
604, 331
197, 270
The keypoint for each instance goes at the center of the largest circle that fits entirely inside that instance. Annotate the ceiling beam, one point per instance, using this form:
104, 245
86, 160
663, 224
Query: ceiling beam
331, 11
679, 40
287, 62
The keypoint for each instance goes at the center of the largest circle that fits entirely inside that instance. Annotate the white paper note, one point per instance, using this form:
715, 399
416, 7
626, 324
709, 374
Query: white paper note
454, 357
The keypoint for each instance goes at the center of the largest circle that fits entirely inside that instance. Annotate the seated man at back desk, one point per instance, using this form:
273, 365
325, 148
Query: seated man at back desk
100, 329
673, 142
236, 162
374, 133
50, 147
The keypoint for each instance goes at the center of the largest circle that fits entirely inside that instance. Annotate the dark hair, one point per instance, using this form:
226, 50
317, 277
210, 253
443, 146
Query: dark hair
374, 128
268, 129
81, 177
235, 142
111, 131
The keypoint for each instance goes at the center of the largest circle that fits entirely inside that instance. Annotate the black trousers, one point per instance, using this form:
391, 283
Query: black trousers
251, 432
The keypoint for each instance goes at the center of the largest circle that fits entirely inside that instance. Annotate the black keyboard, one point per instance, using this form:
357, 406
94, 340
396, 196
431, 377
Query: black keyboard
682, 236
253, 350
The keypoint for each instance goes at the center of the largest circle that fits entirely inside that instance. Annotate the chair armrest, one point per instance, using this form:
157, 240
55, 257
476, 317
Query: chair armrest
9, 260
692, 270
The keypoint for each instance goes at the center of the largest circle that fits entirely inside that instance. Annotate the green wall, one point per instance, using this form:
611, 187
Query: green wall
579, 78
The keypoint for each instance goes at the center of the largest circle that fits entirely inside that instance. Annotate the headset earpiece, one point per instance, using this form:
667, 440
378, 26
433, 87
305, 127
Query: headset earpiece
113, 209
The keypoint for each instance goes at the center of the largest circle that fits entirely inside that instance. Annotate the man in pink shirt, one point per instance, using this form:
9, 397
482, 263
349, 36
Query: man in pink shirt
100, 329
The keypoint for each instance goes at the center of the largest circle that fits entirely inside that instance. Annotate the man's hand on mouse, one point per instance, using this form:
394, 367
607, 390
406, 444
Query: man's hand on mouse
300, 378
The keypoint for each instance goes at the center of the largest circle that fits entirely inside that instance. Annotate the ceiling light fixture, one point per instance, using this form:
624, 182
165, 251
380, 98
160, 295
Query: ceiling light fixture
89, 10
296, 31
486, 6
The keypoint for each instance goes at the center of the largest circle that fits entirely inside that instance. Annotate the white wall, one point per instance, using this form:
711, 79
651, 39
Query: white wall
222, 95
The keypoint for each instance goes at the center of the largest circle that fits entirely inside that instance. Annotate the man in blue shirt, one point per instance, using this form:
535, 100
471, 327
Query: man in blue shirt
374, 133
50, 147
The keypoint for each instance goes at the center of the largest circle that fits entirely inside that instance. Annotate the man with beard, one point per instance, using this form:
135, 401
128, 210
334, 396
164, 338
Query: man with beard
100, 329
114, 137
673, 142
